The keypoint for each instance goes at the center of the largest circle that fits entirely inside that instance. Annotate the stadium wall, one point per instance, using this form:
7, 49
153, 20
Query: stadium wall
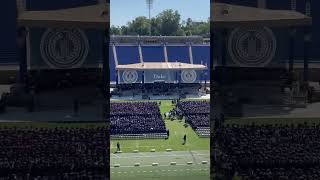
8, 47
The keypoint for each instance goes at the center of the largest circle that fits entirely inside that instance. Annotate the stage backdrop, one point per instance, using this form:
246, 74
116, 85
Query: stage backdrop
268, 47
62, 48
151, 76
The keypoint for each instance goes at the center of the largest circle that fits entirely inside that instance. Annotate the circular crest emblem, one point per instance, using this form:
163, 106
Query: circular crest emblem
64, 48
130, 76
252, 46
189, 76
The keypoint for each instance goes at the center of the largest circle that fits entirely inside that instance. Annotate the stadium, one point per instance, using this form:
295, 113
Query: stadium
266, 82
160, 93
160, 106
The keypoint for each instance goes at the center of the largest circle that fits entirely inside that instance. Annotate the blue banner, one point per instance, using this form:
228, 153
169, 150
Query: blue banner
160, 76
166, 76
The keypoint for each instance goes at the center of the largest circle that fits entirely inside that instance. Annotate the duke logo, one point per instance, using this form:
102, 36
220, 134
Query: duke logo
64, 48
188, 76
130, 76
252, 47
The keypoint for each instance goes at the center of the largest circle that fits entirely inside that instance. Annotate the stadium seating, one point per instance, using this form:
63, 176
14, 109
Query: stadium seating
196, 113
53, 153
128, 53
268, 151
136, 120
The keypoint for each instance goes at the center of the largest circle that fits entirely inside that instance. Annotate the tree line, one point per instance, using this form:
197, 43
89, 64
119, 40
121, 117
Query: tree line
166, 23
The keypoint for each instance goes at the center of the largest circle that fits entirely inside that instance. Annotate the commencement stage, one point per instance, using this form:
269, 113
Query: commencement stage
167, 72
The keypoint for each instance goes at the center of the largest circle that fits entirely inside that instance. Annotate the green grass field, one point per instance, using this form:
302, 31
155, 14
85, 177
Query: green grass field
196, 150
177, 130
164, 170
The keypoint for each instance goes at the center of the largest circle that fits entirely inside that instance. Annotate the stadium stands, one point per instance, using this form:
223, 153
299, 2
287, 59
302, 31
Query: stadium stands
152, 49
136, 120
268, 151
196, 114
53, 153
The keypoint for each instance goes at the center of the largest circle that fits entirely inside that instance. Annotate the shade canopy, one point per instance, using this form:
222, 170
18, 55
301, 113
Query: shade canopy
161, 66
231, 16
86, 17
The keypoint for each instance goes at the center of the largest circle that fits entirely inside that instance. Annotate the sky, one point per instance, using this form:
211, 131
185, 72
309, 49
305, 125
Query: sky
123, 11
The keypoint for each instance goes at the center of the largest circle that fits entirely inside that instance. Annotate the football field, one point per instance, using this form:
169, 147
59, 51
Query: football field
189, 161
161, 165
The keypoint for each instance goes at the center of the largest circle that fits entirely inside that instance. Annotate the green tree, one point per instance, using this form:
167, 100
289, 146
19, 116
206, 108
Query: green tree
115, 30
196, 28
169, 23
155, 27
204, 29
124, 30
139, 26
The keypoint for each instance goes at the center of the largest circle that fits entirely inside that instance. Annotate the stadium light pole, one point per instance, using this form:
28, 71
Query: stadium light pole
149, 4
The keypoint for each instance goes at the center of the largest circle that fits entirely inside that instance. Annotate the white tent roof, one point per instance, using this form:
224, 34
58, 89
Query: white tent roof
87, 17
230, 16
161, 66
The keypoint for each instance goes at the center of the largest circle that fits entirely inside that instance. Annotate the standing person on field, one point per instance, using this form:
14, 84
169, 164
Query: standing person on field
184, 139
118, 146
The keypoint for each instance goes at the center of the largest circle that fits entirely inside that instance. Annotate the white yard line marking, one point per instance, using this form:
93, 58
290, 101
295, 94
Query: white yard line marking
116, 156
165, 155
153, 166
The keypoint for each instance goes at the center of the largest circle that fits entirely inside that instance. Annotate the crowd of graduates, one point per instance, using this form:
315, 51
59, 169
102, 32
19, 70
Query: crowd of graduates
134, 108
54, 153
267, 152
136, 118
193, 107
196, 113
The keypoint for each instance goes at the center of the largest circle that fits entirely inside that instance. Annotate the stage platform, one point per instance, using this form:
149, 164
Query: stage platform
138, 97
